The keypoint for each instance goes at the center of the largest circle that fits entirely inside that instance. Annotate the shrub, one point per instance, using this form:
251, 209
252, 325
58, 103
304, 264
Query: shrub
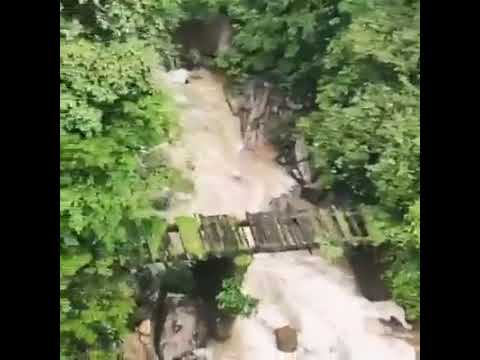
366, 131
232, 300
109, 114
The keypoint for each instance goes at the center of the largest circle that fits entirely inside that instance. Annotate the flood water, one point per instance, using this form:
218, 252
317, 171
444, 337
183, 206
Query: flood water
319, 300
227, 178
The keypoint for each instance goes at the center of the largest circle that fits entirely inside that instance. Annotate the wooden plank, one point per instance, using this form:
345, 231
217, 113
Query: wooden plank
229, 236
307, 229
304, 219
240, 236
318, 231
293, 233
283, 238
354, 227
211, 237
256, 230
272, 238
175, 246
217, 220
289, 238
284, 221
262, 221
295, 230
357, 218
249, 237
327, 226
342, 222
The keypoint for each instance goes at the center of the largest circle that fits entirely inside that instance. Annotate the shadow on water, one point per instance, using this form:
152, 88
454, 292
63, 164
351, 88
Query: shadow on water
208, 276
365, 263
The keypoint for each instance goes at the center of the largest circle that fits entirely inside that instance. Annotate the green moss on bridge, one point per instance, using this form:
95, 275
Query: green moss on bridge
189, 229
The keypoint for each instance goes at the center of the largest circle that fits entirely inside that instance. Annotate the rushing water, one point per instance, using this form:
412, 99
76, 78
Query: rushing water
319, 300
227, 178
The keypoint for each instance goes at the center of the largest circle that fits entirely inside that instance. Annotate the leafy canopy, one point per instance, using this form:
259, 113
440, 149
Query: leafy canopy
110, 113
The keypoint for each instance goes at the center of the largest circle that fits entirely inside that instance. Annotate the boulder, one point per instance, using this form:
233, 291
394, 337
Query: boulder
181, 327
145, 340
286, 338
145, 328
135, 348
223, 327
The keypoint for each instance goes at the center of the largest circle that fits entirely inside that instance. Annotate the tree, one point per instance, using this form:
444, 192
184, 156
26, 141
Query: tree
283, 40
109, 113
366, 131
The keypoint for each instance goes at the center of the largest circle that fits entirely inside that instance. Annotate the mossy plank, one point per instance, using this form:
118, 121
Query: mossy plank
342, 222
356, 231
280, 231
175, 246
272, 237
211, 237
327, 224
256, 234
189, 230
240, 236
230, 240
307, 229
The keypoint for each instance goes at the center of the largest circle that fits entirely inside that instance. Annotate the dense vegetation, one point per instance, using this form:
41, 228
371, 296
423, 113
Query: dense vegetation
366, 130
360, 58
232, 300
110, 113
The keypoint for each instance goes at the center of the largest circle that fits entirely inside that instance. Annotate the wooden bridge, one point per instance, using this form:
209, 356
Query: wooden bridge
203, 236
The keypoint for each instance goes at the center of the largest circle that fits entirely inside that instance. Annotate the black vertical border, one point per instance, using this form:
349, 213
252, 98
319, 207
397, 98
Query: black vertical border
31, 150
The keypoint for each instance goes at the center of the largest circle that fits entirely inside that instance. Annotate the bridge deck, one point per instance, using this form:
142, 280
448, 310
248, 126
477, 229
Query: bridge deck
201, 236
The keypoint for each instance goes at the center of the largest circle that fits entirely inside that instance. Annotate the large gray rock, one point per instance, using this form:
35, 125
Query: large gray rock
181, 327
223, 327
136, 348
286, 338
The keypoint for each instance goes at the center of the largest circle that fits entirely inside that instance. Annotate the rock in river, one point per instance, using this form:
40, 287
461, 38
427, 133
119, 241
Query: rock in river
286, 339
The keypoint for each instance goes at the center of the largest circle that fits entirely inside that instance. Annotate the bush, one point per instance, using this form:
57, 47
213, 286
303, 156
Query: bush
232, 300
366, 131
118, 20
284, 40
109, 114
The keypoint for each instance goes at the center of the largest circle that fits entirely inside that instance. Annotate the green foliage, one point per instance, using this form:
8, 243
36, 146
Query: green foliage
241, 263
232, 300
402, 238
109, 114
281, 39
366, 131
331, 250
403, 275
149, 20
